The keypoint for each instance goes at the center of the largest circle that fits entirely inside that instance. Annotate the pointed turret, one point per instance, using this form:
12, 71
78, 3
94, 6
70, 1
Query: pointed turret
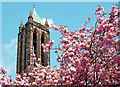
21, 25
30, 15
30, 18
46, 23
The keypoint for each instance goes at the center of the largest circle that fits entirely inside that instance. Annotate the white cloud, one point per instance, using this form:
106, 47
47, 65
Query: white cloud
50, 21
11, 45
9, 56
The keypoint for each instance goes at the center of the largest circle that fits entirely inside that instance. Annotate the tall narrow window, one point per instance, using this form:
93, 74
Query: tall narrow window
42, 53
21, 46
25, 51
35, 42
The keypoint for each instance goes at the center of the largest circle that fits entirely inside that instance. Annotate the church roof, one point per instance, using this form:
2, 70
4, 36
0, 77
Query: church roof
36, 17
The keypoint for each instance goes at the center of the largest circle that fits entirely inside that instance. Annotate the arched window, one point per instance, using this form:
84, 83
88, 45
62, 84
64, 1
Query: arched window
35, 42
42, 53
21, 46
25, 47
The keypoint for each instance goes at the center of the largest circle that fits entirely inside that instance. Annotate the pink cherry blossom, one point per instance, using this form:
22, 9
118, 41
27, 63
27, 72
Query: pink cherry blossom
2, 71
64, 41
59, 59
73, 69
53, 26
33, 57
99, 10
88, 20
117, 60
51, 42
82, 28
63, 29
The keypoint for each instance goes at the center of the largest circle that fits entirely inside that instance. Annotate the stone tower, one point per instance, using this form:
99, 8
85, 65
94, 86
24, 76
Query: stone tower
31, 36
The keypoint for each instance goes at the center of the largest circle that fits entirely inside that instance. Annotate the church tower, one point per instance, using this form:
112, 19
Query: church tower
31, 36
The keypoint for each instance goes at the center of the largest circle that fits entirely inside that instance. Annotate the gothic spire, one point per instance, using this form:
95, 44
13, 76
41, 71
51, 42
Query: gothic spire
46, 23
30, 15
21, 25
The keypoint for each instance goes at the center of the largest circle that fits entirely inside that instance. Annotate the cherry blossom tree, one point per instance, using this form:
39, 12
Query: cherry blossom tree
89, 56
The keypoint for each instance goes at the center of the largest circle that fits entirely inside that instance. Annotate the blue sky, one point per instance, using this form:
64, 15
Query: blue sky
71, 14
